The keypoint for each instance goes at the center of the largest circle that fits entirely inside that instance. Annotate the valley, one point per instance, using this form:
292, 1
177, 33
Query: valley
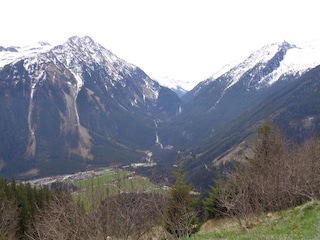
74, 105
159, 120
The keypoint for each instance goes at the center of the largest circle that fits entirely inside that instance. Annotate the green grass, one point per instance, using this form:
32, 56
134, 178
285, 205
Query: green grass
302, 222
94, 190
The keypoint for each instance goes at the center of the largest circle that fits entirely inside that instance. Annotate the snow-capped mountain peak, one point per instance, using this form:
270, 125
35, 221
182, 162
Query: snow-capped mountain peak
258, 59
86, 60
269, 68
297, 59
93, 52
271, 62
79, 50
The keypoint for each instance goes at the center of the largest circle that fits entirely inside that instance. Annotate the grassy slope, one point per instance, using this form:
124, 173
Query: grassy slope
302, 222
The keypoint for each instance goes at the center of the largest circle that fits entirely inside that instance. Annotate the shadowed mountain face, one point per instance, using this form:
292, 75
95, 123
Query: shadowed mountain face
293, 108
77, 104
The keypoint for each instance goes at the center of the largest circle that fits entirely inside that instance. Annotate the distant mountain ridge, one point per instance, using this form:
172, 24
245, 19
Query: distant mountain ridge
272, 61
174, 85
268, 65
10, 54
218, 100
74, 105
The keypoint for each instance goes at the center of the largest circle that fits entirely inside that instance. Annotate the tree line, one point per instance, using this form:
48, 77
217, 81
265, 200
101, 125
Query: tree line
19, 204
42, 214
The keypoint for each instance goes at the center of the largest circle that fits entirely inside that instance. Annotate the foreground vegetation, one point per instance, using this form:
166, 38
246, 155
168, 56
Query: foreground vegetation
116, 204
301, 222
260, 195
278, 175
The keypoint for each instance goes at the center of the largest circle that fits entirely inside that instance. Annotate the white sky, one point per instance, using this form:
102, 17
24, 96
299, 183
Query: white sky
186, 40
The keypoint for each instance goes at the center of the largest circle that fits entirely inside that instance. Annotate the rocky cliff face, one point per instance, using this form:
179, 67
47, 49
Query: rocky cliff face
78, 103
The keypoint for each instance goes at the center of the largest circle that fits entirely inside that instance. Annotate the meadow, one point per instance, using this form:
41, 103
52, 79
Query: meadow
92, 191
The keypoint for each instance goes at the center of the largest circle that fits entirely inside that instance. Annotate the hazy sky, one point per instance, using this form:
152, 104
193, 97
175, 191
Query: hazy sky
184, 39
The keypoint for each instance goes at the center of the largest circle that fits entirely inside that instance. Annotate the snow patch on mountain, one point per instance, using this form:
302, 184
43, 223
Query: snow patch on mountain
262, 56
227, 67
169, 82
180, 87
34, 65
224, 69
150, 90
297, 60
11, 54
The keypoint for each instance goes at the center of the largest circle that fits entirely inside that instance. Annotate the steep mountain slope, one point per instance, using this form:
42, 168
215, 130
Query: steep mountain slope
220, 99
294, 109
77, 104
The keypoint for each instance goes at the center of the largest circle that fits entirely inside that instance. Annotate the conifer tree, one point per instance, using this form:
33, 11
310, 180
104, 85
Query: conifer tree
212, 207
181, 220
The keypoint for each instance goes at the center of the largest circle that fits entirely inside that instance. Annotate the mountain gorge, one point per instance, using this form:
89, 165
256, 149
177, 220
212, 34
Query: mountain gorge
75, 105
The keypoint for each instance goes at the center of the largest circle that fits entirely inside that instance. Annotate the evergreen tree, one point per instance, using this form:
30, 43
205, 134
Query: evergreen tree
181, 220
212, 206
23, 203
